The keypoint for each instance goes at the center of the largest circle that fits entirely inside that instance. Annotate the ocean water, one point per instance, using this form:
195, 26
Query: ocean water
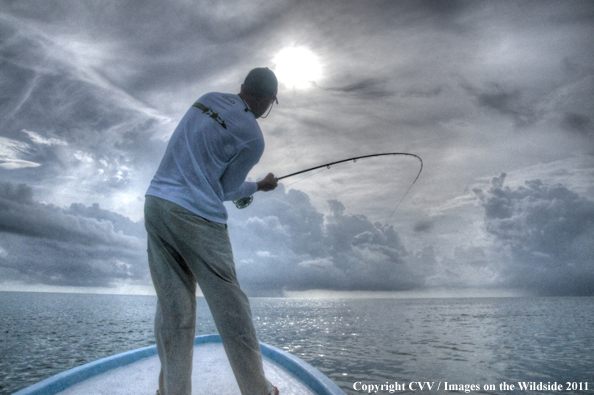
355, 342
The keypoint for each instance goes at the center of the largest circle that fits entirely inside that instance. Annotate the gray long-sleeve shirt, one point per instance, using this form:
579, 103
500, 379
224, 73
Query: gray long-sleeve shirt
209, 155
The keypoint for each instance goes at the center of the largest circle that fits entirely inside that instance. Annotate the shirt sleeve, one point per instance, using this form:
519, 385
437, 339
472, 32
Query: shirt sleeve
248, 188
233, 179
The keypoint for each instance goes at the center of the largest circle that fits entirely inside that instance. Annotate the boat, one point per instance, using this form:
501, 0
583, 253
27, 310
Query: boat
137, 371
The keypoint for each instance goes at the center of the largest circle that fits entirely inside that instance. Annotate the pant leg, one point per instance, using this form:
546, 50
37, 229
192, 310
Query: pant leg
233, 317
175, 319
206, 249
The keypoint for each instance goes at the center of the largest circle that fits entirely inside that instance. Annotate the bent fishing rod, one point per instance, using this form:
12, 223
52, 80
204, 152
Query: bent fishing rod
244, 202
328, 165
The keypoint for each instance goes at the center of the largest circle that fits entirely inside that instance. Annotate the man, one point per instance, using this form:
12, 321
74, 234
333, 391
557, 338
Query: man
207, 160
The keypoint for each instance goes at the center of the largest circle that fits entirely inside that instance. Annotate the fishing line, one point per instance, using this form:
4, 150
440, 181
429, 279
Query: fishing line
244, 202
306, 177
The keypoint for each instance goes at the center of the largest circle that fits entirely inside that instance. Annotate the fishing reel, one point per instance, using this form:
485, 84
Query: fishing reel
243, 202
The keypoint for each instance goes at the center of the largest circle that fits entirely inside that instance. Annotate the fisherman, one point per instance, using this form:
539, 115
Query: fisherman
207, 160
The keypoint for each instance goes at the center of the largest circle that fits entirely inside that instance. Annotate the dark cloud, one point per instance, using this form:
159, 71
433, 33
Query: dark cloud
548, 231
509, 102
283, 243
119, 222
280, 243
19, 193
78, 246
423, 226
366, 88
159, 46
578, 123
426, 93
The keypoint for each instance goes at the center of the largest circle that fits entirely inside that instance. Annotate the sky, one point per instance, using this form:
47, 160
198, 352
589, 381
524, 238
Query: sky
497, 98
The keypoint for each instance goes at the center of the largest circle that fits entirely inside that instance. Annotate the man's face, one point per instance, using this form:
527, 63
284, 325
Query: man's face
263, 104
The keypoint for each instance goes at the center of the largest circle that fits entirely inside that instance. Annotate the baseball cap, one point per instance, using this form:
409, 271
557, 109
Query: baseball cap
261, 81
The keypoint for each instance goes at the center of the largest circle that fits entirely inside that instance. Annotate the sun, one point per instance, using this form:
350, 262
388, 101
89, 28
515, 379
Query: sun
297, 67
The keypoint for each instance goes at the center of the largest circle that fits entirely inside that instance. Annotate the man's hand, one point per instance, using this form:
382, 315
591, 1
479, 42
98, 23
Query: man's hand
268, 183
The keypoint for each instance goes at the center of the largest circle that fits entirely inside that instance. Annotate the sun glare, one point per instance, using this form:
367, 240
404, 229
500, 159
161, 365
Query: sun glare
297, 67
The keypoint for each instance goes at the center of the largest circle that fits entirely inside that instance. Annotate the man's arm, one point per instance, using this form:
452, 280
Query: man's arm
233, 179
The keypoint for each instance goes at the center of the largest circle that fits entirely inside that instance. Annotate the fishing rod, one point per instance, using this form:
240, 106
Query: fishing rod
244, 202
328, 165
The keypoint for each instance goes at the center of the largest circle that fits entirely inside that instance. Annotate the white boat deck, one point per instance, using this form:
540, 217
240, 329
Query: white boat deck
212, 375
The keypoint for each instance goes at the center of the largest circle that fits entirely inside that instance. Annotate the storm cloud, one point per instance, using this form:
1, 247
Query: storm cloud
540, 243
280, 244
547, 230
285, 244
77, 246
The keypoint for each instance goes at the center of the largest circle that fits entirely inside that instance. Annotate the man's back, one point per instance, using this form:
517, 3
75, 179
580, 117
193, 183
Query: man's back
215, 145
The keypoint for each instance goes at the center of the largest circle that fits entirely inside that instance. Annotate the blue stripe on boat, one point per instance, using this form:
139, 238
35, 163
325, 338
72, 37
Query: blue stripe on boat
312, 377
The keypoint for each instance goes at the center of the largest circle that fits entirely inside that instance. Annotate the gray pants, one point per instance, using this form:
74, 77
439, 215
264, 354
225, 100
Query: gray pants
184, 248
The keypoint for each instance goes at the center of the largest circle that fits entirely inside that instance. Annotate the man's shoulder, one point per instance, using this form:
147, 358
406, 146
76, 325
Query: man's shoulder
214, 97
227, 104
229, 110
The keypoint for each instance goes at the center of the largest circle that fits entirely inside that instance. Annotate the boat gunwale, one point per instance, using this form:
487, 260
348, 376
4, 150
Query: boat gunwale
309, 375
